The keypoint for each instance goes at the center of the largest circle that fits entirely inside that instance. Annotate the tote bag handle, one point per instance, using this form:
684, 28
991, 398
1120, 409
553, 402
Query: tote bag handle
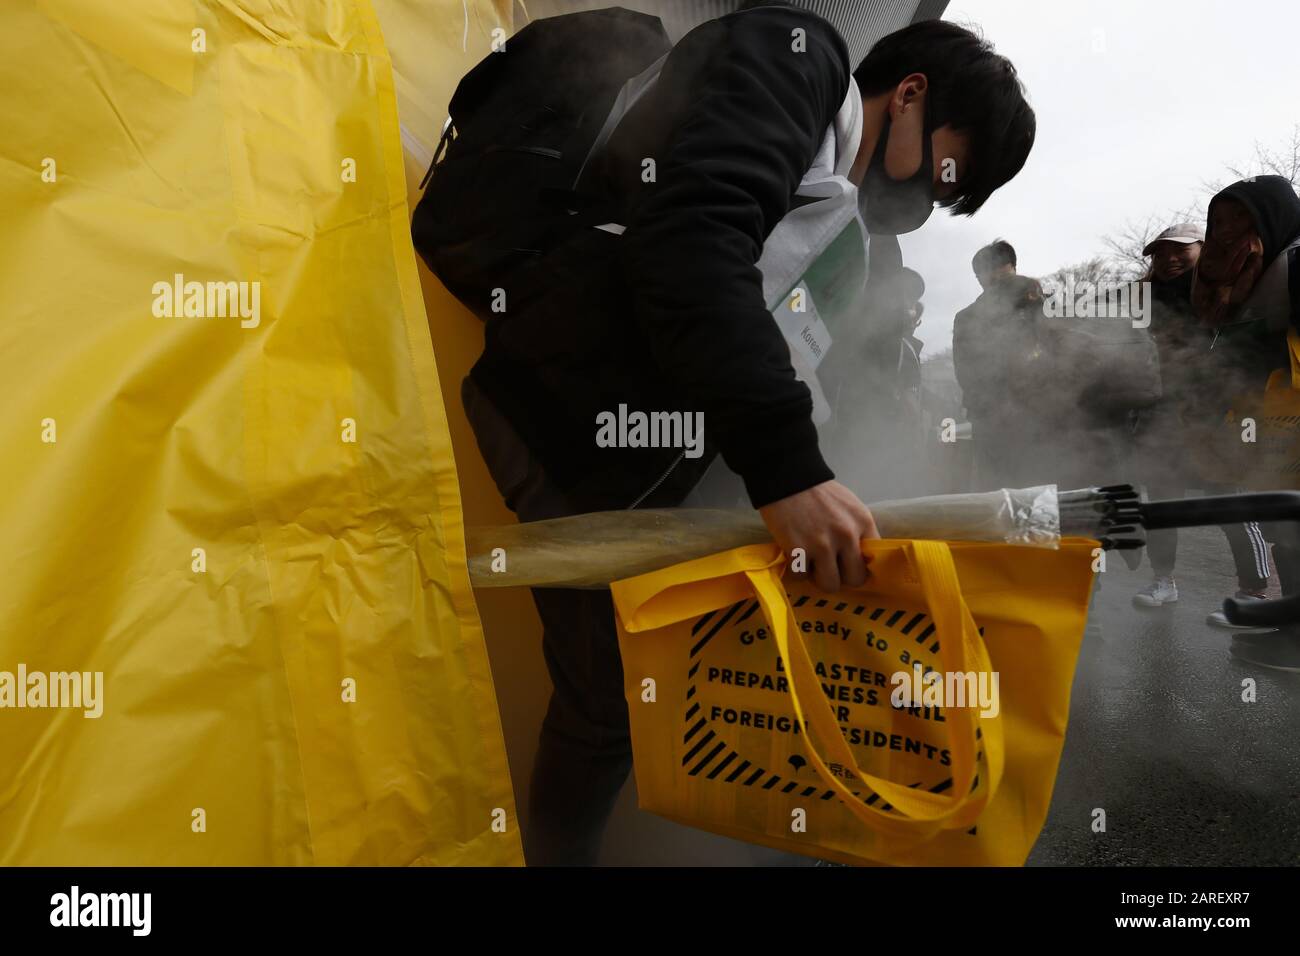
919, 812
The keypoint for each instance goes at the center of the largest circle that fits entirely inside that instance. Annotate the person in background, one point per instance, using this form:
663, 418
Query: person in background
1246, 294
1161, 435
909, 359
907, 378
872, 378
994, 341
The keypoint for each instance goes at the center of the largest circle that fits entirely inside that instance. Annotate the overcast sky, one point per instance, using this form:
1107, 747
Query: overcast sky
1138, 103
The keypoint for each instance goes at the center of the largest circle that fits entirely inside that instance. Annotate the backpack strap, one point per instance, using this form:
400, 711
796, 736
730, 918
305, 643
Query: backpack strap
448, 132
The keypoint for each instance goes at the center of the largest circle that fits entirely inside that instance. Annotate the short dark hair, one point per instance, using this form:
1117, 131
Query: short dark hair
971, 88
997, 253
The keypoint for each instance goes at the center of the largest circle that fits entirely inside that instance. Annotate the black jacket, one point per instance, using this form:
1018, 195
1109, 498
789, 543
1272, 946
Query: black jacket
994, 340
1243, 351
1187, 379
670, 315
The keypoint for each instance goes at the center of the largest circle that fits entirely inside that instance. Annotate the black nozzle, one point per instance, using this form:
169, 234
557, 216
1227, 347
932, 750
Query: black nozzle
1265, 506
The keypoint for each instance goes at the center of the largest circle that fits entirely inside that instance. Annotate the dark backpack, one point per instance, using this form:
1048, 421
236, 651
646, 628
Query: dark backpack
522, 123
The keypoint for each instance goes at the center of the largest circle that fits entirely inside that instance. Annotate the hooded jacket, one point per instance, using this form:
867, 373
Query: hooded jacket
1247, 348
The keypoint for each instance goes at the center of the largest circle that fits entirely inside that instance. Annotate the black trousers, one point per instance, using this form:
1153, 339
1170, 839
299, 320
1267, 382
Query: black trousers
584, 750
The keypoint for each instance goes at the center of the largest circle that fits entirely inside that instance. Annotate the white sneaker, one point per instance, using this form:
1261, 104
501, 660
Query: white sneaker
1158, 592
1219, 619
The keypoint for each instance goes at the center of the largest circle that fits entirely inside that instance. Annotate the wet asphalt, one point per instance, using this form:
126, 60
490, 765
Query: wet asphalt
1160, 739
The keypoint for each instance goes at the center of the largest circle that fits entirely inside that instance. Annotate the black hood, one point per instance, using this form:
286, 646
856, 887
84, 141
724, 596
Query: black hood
1273, 204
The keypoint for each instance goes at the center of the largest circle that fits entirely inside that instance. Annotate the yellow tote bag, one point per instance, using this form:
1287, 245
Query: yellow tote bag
771, 713
229, 502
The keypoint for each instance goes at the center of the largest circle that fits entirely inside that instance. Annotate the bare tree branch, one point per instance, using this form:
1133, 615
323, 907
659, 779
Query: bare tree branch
1099, 271
1281, 160
1124, 246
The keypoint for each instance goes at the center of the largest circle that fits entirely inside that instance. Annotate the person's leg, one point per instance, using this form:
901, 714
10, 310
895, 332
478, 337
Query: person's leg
999, 450
1286, 558
1250, 556
1279, 649
584, 751
1162, 551
1158, 456
1162, 545
981, 465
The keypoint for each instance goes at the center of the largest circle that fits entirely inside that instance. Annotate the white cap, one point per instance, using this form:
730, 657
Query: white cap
1184, 232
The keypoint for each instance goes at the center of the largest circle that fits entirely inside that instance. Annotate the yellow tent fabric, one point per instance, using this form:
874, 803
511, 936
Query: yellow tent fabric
433, 43
228, 487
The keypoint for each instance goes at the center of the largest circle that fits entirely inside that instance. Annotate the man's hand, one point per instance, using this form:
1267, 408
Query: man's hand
828, 522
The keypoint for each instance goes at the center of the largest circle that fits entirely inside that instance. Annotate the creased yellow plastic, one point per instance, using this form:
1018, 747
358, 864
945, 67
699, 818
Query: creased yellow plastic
327, 561
433, 43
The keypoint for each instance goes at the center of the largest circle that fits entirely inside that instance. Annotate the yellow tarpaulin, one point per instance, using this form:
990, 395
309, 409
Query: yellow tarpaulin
229, 511
433, 43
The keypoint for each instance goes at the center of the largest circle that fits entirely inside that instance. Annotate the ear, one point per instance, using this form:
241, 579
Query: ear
910, 90
903, 152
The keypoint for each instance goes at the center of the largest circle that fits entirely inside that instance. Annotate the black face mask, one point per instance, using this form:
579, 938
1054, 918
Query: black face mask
895, 206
